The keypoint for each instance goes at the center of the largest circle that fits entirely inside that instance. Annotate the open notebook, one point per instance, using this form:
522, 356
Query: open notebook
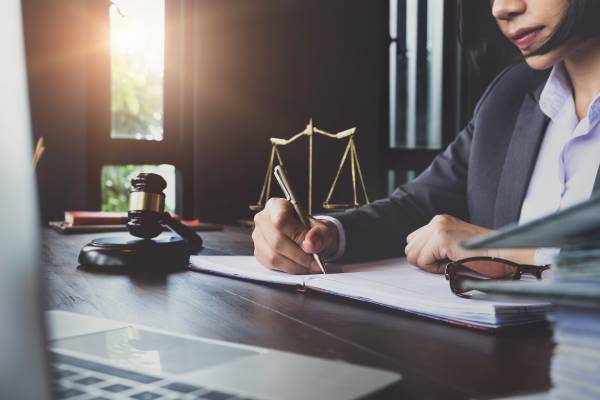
390, 283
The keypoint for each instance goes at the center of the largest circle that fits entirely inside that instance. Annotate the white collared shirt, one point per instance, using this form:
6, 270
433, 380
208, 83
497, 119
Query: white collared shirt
566, 165
568, 159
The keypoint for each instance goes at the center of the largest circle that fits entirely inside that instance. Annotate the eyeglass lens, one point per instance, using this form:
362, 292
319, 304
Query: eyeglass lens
480, 270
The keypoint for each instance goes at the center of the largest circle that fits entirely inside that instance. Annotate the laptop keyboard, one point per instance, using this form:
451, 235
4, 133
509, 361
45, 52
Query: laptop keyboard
78, 379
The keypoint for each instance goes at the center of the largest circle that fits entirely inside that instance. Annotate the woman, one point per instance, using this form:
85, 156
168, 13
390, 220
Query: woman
532, 148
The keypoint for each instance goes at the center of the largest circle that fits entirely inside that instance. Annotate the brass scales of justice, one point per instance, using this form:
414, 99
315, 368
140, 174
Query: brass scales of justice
349, 153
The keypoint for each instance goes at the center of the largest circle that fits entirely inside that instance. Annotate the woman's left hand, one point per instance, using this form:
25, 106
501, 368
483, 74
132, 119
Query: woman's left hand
440, 241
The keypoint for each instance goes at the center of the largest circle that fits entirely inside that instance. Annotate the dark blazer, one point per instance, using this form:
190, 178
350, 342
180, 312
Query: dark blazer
482, 177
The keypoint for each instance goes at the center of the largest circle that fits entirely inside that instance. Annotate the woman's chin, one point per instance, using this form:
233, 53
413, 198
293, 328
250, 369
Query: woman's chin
548, 60
541, 62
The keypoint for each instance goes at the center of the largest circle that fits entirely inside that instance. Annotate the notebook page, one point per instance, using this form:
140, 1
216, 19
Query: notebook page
395, 283
244, 267
391, 283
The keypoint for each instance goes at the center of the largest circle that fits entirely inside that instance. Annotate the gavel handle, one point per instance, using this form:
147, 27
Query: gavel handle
194, 241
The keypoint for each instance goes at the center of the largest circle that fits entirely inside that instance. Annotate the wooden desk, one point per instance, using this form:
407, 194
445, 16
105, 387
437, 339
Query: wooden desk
437, 360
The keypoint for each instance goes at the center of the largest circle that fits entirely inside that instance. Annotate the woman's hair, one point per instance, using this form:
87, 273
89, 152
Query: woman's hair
581, 21
478, 31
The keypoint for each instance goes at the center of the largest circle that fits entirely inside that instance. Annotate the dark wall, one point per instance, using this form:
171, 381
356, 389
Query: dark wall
263, 69
54, 37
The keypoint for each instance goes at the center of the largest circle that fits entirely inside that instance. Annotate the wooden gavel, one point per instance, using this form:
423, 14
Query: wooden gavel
147, 214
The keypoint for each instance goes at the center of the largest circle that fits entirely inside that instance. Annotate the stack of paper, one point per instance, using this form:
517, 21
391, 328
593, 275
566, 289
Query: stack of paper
391, 283
576, 363
575, 289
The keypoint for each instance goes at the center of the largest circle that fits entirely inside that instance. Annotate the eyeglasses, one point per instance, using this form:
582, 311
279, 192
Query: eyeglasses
487, 268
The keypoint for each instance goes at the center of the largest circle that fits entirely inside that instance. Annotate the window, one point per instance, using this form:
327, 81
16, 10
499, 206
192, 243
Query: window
424, 82
138, 119
416, 52
137, 50
398, 178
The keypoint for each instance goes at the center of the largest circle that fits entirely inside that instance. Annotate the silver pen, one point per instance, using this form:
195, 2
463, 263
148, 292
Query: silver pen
289, 194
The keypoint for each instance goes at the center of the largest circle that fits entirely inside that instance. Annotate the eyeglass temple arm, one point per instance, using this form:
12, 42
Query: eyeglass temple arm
534, 269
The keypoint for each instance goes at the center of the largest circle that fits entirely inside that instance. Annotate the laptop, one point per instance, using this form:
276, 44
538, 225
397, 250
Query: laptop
78, 357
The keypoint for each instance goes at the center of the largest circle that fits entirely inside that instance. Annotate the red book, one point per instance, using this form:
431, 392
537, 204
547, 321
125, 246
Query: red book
104, 221
78, 218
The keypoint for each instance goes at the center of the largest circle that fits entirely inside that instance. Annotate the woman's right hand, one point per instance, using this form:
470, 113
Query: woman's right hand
281, 242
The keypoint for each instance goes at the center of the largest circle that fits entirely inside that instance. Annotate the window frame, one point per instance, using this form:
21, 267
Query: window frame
399, 159
176, 148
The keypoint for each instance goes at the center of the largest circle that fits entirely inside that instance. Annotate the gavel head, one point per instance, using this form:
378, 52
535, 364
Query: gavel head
146, 205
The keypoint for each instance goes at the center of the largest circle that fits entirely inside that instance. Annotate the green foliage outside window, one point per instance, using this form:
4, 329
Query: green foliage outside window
137, 68
116, 185
137, 99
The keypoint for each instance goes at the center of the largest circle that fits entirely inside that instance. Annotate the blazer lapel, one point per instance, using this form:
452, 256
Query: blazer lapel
520, 160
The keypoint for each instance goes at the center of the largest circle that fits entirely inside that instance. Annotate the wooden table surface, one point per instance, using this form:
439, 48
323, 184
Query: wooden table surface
437, 360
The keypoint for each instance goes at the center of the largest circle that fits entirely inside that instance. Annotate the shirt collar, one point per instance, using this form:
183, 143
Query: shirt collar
558, 90
594, 110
